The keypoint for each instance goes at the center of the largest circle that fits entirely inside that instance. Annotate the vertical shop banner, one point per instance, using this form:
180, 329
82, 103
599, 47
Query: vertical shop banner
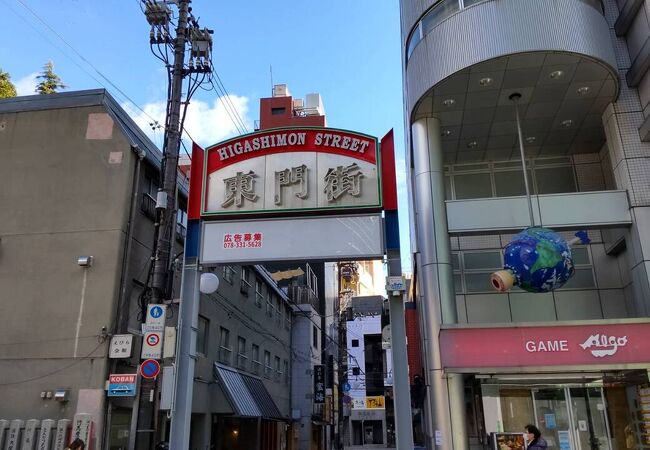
319, 384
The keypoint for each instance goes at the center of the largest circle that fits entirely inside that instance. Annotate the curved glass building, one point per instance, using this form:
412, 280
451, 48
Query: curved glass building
565, 82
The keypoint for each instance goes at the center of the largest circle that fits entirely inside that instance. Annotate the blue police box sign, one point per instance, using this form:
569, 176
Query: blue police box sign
122, 385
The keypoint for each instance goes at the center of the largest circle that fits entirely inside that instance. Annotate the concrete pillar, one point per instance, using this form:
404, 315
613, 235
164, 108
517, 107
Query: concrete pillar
446, 428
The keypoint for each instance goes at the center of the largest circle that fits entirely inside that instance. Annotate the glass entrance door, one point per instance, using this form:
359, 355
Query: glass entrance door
572, 418
552, 416
590, 419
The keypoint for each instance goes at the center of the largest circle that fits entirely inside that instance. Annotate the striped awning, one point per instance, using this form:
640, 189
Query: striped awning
247, 395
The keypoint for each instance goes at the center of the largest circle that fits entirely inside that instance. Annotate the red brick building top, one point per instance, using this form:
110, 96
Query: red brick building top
282, 110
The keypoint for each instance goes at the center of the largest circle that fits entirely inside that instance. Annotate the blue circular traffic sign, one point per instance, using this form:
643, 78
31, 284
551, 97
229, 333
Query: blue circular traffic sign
346, 387
156, 312
150, 368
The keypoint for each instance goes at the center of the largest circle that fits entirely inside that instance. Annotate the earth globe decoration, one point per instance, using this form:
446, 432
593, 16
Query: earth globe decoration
537, 260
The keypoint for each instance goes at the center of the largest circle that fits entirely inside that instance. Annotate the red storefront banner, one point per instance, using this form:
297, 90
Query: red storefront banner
574, 345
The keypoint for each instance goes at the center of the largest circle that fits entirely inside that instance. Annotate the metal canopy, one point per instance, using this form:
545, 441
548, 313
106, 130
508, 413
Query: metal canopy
247, 395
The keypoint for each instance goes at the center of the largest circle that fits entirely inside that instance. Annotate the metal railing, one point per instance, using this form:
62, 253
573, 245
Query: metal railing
148, 206
302, 295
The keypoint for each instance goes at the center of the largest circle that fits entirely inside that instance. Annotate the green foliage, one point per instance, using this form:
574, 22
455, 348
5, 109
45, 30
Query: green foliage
51, 82
7, 88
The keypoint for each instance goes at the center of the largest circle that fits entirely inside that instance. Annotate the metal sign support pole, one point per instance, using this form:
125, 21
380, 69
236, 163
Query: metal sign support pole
188, 317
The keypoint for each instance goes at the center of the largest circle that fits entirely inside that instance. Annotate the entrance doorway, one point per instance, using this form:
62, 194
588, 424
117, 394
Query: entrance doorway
570, 418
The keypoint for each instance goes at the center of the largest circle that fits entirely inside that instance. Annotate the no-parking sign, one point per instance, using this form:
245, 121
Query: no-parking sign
149, 368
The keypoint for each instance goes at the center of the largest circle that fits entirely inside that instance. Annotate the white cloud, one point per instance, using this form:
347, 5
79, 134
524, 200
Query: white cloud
27, 84
207, 123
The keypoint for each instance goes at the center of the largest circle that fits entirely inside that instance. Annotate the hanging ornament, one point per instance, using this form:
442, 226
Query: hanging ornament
537, 260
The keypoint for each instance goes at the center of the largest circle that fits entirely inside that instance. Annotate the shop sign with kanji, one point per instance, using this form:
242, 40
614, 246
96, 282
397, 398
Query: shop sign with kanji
292, 169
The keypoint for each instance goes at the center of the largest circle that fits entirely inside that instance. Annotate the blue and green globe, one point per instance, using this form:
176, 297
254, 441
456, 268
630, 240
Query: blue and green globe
537, 260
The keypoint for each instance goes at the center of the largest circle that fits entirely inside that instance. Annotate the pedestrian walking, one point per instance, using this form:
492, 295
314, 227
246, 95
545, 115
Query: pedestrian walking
77, 444
534, 438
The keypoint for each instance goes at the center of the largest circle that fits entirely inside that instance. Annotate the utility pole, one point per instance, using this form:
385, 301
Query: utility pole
166, 199
198, 69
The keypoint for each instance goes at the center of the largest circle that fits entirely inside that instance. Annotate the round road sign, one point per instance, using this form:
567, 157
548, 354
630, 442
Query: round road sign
156, 312
153, 339
150, 368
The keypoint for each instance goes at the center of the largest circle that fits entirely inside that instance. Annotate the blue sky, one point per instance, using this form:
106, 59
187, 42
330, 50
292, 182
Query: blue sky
348, 51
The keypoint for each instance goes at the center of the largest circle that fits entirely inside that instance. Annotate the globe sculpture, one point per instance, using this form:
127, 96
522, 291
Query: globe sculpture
537, 260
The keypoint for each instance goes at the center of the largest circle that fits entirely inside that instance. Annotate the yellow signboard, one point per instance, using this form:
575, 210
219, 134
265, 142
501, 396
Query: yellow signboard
376, 402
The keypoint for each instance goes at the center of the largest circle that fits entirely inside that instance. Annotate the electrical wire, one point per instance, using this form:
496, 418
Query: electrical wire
80, 56
54, 372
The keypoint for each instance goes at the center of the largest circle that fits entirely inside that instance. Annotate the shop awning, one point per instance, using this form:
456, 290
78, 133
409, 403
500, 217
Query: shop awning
247, 395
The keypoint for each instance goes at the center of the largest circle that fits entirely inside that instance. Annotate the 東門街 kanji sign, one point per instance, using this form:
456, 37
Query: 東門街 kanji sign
290, 170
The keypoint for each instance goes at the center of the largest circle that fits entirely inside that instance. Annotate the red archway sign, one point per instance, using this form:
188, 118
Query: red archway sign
150, 369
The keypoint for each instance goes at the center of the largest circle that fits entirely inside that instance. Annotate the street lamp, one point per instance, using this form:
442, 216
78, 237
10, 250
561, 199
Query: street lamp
209, 283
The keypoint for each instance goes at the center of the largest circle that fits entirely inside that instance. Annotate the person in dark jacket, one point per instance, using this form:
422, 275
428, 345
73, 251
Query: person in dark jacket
534, 438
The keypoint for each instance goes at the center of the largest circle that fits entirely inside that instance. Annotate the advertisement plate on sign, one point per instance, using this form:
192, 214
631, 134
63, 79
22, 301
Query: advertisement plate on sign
323, 238
292, 169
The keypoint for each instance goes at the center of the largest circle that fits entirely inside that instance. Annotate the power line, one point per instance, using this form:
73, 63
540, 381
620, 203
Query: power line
61, 369
83, 58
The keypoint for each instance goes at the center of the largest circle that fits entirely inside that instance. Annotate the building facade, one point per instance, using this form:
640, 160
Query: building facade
242, 390
369, 374
76, 243
573, 75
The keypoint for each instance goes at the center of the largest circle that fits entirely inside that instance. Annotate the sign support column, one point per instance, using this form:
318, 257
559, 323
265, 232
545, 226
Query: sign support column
401, 385
188, 314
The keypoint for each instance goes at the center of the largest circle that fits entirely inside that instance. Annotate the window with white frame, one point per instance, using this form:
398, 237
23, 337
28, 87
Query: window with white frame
287, 317
242, 358
255, 358
259, 292
583, 277
278, 310
267, 364
202, 336
278, 369
286, 372
245, 284
224, 345
269, 303
506, 179
472, 270
228, 274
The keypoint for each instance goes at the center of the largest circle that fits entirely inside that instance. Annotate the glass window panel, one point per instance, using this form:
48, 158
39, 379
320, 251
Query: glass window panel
558, 160
555, 180
467, 167
511, 183
580, 255
202, 336
478, 282
458, 283
448, 187
582, 278
475, 185
415, 39
509, 164
455, 261
482, 260
437, 14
